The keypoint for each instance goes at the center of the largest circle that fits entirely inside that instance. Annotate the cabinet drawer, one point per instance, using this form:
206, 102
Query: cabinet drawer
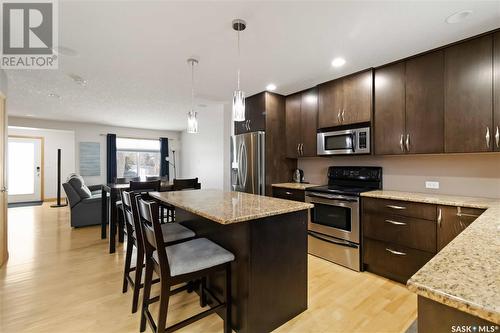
411, 232
289, 194
402, 208
393, 261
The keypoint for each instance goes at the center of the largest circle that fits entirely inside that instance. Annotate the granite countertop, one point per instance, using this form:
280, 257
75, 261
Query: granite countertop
229, 207
465, 274
294, 186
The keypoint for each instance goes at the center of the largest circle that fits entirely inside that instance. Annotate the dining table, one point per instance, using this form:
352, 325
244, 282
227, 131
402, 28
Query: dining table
109, 215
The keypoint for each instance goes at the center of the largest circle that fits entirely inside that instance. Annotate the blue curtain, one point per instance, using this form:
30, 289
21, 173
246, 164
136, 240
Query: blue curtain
111, 158
164, 169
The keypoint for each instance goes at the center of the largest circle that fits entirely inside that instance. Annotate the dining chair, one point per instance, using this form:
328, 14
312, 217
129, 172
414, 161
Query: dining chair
186, 261
171, 233
185, 184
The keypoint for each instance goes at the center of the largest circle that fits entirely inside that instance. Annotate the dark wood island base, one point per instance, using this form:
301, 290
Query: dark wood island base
270, 270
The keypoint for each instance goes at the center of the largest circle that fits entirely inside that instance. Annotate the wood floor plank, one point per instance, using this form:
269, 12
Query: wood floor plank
60, 279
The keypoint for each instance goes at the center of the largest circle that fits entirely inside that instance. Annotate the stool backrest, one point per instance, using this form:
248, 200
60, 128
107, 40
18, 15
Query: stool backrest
131, 217
185, 184
147, 186
152, 232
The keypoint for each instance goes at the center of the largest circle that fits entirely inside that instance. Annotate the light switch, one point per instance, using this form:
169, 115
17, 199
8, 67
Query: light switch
433, 185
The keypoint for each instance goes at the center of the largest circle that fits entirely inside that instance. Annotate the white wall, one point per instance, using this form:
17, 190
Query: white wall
53, 140
86, 132
460, 174
202, 154
3, 82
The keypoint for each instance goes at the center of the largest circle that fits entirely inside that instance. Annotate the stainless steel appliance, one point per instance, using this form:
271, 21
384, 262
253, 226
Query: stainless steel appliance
298, 176
334, 225
248, 162
354, 140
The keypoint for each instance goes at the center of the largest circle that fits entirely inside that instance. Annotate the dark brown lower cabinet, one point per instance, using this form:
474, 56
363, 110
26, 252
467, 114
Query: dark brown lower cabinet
452, 221
289, 194
399, 237
393, 261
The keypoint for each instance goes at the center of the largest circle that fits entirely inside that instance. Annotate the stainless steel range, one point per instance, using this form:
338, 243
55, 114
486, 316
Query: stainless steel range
334, 223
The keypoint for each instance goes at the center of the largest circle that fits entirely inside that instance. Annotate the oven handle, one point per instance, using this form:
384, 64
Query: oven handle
331, 196
318, 236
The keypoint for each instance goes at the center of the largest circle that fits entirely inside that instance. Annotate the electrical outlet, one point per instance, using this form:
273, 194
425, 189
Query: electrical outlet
433, 185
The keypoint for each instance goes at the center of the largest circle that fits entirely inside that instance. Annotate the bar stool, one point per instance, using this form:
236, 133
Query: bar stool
171, 232
189, 260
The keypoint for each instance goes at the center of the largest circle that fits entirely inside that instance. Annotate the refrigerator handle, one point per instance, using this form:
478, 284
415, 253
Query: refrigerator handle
244, 166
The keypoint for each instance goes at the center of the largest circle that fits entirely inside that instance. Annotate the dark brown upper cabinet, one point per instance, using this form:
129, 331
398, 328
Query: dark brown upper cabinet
346, 100
425, 104
389, 114
468, 96
255, 115
409, 106
496, 94
301, 114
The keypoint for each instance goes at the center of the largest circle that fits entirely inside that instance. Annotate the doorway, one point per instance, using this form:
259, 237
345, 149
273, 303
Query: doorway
25, 169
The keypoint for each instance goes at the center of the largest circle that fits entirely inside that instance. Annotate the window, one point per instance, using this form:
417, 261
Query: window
137, 158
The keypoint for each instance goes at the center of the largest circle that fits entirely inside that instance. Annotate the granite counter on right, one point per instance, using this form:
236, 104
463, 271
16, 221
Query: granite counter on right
460, 285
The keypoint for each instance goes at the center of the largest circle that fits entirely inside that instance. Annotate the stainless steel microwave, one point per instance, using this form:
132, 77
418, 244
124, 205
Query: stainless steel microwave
354, 140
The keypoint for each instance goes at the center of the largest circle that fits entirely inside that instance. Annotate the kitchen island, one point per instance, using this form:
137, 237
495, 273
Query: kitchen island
268, 237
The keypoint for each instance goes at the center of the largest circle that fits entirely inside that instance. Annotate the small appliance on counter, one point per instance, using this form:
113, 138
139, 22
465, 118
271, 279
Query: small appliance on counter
298, 176
334, 229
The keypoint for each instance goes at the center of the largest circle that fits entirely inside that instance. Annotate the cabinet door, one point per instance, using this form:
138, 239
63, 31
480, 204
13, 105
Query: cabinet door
255, 112
292, 125
425, 104
452, 221
330, 99
309, 122
389, 114
496, 94
240, 127
468, 96
357, 98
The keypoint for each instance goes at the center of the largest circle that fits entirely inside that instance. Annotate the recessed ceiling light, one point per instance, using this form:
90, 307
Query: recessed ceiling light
338, 62
271, 87
65, 51
54, 95
458, 16
78, 79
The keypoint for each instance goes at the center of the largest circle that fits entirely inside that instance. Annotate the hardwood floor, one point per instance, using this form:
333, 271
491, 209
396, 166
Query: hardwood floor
60, 279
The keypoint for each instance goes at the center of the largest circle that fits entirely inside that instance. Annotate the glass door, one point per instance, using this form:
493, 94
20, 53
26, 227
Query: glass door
24, 169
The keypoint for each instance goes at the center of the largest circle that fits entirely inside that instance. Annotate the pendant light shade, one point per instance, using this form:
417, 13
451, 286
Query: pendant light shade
192, 116
239, 95
192, 122
239, 105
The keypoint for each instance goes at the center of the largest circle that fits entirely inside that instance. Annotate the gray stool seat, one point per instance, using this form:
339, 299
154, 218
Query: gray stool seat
195, 255
174, 232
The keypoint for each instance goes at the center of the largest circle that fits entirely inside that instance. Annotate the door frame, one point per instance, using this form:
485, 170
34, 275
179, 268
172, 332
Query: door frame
4, 252
42, 159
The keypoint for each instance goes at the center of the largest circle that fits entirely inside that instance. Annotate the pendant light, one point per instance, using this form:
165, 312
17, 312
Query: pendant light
192, 125
239, 95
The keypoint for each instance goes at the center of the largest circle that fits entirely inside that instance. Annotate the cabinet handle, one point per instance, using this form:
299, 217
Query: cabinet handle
487, 137
395, 207
408, 142
298, 149
460, 214
497, 137
401, 144
440, 217
338, 117
301, 149
395, 222
343, 113
288, 193
395, 252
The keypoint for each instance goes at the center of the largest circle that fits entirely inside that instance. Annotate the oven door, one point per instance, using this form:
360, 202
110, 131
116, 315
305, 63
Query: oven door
334, 215
337, 143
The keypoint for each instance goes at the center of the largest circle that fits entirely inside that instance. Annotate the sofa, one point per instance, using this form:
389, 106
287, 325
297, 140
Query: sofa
84, 201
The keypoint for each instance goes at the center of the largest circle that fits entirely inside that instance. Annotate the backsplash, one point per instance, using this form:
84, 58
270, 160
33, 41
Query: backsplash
461, 174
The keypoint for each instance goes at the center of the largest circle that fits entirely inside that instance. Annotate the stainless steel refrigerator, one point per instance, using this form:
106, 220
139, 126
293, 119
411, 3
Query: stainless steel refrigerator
248, 162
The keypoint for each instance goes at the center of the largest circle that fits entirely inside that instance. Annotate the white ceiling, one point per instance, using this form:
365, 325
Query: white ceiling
134, 53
